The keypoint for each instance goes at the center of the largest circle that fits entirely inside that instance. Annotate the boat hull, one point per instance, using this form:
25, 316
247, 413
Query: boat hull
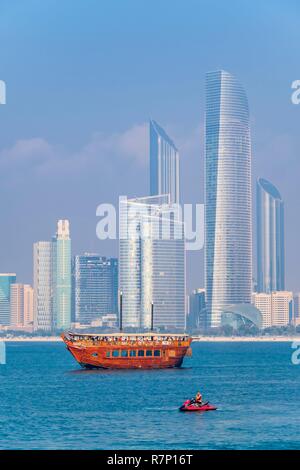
129, 357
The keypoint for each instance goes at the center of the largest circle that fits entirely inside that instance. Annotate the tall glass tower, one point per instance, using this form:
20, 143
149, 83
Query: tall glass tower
270, 237
152, 263
6, 280
61, 276
164, 164
228, 228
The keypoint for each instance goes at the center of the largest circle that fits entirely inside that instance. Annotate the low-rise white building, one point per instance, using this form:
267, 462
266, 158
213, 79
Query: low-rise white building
276, 308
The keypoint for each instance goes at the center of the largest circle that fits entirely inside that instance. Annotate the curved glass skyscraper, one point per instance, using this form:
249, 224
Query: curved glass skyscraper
228, 228
270, 237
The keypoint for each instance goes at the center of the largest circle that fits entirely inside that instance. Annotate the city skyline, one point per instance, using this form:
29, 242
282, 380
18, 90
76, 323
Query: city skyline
107, 125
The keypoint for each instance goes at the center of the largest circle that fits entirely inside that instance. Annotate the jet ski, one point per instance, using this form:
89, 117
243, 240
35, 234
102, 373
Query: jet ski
192, 405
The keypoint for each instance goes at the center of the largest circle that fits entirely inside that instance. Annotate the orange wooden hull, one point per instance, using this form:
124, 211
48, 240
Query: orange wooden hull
128, 356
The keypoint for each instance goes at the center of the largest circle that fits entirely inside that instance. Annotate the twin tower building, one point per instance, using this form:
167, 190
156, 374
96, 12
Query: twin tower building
152, 266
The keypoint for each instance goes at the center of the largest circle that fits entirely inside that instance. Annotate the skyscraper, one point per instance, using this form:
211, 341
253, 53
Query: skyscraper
52, 280
6, 280
61, 276
270, 237
96, 287
42, 284
152, 263
164, 164
228, 228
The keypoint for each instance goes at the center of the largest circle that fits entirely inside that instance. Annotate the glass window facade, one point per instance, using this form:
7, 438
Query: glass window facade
164, 164
270, 238
61, 276
42, 279
6, 280
96, 287
228, 226
152, 264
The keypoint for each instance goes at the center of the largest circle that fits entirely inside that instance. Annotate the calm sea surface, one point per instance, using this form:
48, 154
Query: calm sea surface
48, 402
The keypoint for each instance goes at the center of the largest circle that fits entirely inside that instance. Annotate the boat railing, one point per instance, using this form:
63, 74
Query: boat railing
130, 342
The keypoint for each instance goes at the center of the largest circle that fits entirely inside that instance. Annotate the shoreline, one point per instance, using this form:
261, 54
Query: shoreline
245, 339
200, 339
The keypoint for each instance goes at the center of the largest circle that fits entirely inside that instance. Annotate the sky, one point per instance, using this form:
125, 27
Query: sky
83, 78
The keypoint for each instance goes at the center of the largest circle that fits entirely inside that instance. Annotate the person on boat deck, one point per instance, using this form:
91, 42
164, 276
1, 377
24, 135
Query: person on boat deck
198, 398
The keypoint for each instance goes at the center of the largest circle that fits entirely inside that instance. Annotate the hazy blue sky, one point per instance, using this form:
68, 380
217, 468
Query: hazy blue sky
84, 76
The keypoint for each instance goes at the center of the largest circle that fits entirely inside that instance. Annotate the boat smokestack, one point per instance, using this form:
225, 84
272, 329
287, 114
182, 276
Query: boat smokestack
152, 316
121, 311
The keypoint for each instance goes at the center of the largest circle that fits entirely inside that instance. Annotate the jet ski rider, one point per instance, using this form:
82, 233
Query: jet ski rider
198, 398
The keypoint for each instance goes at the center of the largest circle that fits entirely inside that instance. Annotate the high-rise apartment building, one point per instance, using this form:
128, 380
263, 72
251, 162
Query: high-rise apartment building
21, 306
61, 276
42, 285
52, 280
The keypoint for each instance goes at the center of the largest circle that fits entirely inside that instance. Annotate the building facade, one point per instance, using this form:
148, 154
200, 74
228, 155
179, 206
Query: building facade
270, 237
228, 225
152, 263
61, 276
297, 307
6, 280
21, 306
282, 308
164, 164
263, 302
42, 285
197, 311
52, 281
277, 308
96, 287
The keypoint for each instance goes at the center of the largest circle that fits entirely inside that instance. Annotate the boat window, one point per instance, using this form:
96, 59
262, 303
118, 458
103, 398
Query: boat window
148, 352
124, 353
95, 354
115, 353
107, 353
132, 353
157, 352
141, 353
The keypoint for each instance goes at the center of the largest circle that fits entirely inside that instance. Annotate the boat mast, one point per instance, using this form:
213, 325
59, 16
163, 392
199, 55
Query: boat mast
152, 316
121, 311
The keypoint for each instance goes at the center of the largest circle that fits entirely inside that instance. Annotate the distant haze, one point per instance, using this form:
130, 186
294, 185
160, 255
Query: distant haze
83, 78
